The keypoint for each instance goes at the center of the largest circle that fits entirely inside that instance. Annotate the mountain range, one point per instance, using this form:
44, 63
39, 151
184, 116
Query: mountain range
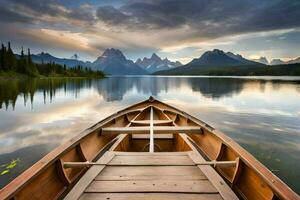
276, 62
113, 62
155, 63
216, 59
264, 60
48, 58
293, 61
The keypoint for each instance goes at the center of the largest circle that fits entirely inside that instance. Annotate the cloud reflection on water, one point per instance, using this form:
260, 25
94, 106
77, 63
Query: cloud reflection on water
261, 115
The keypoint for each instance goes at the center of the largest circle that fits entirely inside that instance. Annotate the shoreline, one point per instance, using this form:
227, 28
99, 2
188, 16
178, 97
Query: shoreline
19, 76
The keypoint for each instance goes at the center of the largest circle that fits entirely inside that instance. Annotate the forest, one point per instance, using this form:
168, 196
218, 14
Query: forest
11, 66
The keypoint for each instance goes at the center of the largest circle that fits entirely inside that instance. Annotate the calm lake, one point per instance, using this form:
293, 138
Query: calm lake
261, 114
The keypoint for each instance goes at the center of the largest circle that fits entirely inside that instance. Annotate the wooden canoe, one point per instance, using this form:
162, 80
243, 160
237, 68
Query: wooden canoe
149, 150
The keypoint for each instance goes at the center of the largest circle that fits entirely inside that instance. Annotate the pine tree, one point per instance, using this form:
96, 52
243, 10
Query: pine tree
1, 57
22, 53
4, 58
30, 68
29, 61
11, 59
21, 67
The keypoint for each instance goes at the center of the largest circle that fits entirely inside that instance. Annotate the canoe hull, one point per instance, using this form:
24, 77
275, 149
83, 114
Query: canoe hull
124, 131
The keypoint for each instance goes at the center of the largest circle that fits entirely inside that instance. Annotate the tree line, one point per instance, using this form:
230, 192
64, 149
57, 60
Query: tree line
23, 64
274, 70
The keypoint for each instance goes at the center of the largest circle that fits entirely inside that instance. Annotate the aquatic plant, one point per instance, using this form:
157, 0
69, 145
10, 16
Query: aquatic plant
6, 168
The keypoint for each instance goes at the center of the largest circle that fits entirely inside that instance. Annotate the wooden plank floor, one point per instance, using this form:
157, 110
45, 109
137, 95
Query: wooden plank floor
113, 173
151, 160
146, 196
150, 176
152, 196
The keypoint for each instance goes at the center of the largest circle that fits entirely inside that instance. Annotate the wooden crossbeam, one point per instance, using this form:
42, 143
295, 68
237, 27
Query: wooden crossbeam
155, 122
221, 164
156, 129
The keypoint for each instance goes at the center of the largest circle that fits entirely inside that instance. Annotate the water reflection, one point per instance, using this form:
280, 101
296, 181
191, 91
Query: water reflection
11, 90
114, 88
260, 114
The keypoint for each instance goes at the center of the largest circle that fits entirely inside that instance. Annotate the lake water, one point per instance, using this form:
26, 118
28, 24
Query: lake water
261, 114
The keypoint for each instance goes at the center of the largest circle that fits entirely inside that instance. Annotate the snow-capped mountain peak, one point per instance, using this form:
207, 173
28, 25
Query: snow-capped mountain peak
155, 63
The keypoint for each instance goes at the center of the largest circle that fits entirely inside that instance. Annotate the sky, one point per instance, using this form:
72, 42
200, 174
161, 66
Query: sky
178, 29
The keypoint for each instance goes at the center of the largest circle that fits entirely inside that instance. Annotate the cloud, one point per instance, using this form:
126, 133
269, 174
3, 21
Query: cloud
276, 15
7, 15
45, 13
83, 13
211, 18
48, 38
205, 18
50, 7
138, 26
111, 15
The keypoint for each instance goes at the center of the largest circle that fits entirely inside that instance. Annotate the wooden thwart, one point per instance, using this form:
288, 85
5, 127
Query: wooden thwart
145, 122
124, 153
156, 130
212, 163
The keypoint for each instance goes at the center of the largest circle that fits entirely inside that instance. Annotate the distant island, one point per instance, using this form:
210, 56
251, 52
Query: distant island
219, 63
12, 66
